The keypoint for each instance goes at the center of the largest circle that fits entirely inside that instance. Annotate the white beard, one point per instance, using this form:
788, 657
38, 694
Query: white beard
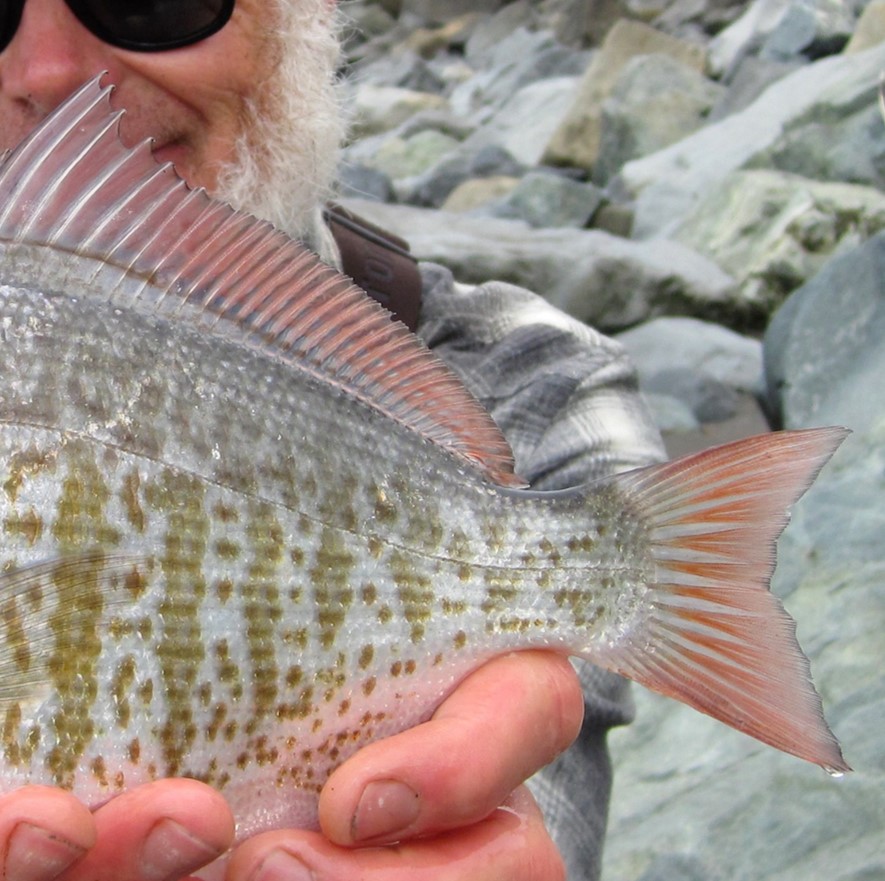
286, 156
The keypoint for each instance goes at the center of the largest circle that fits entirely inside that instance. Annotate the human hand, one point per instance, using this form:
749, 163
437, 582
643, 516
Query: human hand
157, 832
467, 816
447, 791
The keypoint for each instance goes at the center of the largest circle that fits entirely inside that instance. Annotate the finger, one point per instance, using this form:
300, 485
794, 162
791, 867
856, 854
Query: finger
504, 722
511, 844
43, 831
163, 830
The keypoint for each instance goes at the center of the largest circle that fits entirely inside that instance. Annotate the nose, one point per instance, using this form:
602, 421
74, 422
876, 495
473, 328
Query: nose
50, 55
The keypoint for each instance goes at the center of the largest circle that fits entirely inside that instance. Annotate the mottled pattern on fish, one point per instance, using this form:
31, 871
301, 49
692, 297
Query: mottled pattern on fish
244, 562
248, 525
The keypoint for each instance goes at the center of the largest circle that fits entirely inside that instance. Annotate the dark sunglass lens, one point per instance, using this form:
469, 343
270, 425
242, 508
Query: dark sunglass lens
10, 16
152, 24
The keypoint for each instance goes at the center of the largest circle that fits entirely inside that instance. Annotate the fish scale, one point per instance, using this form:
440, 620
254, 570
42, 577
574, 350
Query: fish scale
249, 526
334, 606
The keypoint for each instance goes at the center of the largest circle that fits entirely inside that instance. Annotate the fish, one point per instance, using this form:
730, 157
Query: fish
250, 524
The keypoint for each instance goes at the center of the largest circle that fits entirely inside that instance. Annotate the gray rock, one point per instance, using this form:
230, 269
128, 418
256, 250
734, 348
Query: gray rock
695, 19
468, 161
407, 157
670, 413
431, 42
695, 347
824, 354
609, 281
813, 28
544, 102
382, 108
654, 102
545, 199
781, 30
443, 121
746, 420
494, 159
752, 77
479, 194
772, 231
870, 28
361, 182
842, 139
436, 185
583, 22
707, 398
690, 793
483, 48
403, 70
510, 63
576, 141
669, 183
446, 10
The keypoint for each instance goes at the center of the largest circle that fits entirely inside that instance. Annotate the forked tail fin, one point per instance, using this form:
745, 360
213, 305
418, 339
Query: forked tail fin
716, 638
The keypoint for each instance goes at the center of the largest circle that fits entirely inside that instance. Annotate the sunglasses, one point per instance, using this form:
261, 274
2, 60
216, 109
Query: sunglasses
138, 25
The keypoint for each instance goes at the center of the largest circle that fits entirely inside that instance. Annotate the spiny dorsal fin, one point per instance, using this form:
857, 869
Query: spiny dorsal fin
73, 186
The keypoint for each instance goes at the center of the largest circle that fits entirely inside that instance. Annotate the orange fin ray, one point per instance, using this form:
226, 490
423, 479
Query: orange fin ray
160, 246
715, 637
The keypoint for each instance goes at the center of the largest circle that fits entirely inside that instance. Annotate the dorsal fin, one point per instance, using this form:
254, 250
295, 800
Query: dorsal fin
73, 186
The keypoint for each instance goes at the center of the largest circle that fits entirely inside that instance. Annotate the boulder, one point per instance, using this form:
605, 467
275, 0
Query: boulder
695, 800
780, 30
576, 141
696, 347
479, 192
870, 28
445, 10
824, 351
668, 184
840, 139
608, 281
406, 157
772, 231
382, 108
811, 29
583, 22
654, 102
545, 102
546, 199
513, 61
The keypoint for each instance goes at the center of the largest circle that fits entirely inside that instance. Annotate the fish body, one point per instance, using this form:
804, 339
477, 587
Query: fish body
248, 525
251, 577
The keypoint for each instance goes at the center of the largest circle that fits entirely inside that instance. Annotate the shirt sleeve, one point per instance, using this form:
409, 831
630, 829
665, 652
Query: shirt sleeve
566, 398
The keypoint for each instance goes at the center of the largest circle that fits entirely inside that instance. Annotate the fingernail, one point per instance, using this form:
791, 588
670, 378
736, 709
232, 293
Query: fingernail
36, 854
280, 865
386, 808
171, 851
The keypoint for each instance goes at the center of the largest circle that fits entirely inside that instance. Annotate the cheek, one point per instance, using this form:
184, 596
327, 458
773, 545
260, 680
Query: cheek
195, 108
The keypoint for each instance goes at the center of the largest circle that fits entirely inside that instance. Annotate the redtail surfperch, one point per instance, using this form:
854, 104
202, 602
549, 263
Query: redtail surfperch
249, 524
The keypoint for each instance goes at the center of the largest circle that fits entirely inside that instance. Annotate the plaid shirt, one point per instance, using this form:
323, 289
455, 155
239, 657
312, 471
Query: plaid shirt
566, 398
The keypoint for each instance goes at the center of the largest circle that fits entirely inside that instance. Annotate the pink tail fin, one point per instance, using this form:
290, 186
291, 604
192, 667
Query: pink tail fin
716, 638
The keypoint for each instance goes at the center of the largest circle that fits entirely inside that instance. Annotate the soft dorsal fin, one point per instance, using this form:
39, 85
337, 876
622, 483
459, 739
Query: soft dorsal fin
73, 186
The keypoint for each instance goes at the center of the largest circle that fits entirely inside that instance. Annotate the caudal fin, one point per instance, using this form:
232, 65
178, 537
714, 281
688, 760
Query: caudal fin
716, 638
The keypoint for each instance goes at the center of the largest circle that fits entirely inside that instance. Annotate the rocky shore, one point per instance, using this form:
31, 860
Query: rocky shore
704, 180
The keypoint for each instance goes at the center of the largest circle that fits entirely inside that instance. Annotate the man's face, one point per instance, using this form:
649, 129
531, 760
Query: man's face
249, 113
191, 101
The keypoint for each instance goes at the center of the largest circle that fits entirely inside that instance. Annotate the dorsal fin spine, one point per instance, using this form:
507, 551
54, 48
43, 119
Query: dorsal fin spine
158, 246
109, 173
19, 168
